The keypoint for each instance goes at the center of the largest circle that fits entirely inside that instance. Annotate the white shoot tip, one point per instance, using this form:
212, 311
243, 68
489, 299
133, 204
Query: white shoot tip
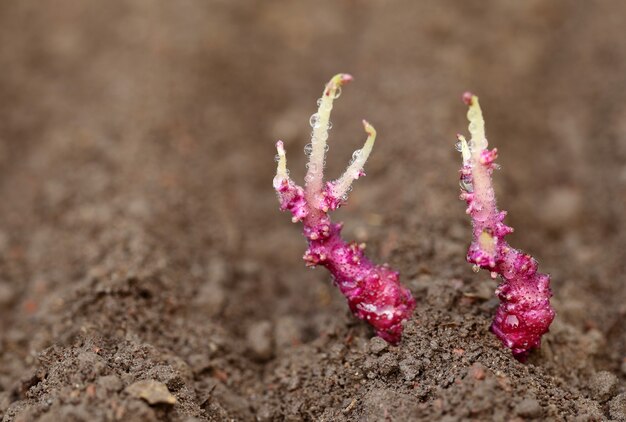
355, 169
465, 150
476, 123
342, 79
369, 129
337, 81
281, 168
321, 123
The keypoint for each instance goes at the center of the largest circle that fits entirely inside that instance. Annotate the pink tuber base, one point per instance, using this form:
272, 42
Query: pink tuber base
373, 292
524, 314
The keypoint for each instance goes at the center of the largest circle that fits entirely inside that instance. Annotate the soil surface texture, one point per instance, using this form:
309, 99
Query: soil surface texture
146, 273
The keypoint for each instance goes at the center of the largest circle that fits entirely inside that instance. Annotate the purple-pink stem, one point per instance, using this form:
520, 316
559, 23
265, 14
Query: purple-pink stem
524, 314
373, 292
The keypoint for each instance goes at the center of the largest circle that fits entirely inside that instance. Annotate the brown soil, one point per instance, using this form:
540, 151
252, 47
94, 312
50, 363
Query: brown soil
140, 238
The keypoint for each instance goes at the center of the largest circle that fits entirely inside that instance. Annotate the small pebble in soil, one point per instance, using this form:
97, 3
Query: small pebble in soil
594, 341
152, 391
287, 332
561, 207
90, 362
7, 294
260, 340
369, 363
387, 363
110, 383
477, 371
617, 407
528, 408
377, 345
167, 375
409, 368
264, 413
211, 298
603, 385
589, 411
5, 401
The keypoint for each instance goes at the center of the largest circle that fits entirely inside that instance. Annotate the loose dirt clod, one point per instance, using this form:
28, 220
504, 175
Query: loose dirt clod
260, 339
603, 385
528, 408
377, 345
477, 371
617, 407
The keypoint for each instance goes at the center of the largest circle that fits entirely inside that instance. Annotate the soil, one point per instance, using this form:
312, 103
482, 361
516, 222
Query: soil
146, 273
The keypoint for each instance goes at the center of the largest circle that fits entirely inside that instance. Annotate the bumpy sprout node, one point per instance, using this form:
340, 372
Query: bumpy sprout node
373, 292
524, 314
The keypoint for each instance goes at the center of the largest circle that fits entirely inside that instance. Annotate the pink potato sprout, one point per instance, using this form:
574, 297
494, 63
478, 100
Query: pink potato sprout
373, 292
524, 314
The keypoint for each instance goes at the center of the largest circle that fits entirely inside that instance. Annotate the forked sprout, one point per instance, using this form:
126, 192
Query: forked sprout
373, 292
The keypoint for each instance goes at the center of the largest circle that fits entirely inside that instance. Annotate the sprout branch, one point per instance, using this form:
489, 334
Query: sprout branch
524, 314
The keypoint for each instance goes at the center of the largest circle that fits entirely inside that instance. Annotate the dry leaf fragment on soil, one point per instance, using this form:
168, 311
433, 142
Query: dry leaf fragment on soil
152, 391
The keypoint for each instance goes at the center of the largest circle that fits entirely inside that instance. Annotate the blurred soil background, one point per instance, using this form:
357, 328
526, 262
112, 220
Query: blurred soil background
146, 273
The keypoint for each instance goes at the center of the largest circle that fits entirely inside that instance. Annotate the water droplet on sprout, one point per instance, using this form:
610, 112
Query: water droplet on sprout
355, 155
467, 186
314, 120
345, 195
308, 149
337, 92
